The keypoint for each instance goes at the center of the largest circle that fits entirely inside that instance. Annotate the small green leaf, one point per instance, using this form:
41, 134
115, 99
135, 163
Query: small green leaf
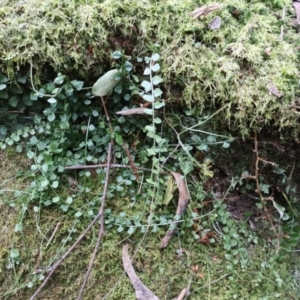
33, 140
55, 199
69, 200
281, 211
3, 78
148, 98
157, 120
44, 167
156, 80
13, 101
158, 104
51, 117
150, 128
59, 79
33, 96
225, 145
147, 71
52, 100
149, 111
131, 230
157, 92
155, 68
30, 154
77, 84
265, 188
44, 182
22, 79
19, 149
18, 227
3, 129
14, 253
2, 86
95, 113
155, 57
55, 184
146, 85
212, 139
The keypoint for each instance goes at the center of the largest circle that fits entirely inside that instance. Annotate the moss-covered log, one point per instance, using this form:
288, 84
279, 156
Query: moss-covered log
239, 66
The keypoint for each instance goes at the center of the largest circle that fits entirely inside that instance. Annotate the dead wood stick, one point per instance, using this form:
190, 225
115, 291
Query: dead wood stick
132, 164
57, 264
182, 294
101, 230
98, 166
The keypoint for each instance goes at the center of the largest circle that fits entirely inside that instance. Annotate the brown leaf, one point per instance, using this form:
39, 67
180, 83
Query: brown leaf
195, 268
141, 291
132, 111
181, 206
200, 275
132, 164
297, 9
274, 91
204, 10
216, 259
268, 50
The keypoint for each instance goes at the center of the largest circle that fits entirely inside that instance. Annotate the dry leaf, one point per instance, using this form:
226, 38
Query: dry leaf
200, 275
215, 23
216, 259
274, 91
169, 191
132, 111
268, 50
181, 206
195, 268
204, 10
141, 291
297, 9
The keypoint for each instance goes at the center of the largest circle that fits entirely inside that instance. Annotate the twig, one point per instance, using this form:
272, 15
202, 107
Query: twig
53, 234
56, 265
101, 231
132, 164
256, 178
98, 166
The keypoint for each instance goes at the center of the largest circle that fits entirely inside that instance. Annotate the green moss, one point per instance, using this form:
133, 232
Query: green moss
226, 68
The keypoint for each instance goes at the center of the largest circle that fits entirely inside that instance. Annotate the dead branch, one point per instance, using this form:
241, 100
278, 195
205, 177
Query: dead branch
132, 164
98, 166
258, 189
101, 211
141, 291
102, 230
132, 111
204, 10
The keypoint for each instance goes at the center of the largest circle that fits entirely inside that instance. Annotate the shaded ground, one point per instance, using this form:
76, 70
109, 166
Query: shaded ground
260, 274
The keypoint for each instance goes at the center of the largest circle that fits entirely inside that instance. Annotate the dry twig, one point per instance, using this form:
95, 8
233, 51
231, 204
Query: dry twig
102, 230
59, 262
